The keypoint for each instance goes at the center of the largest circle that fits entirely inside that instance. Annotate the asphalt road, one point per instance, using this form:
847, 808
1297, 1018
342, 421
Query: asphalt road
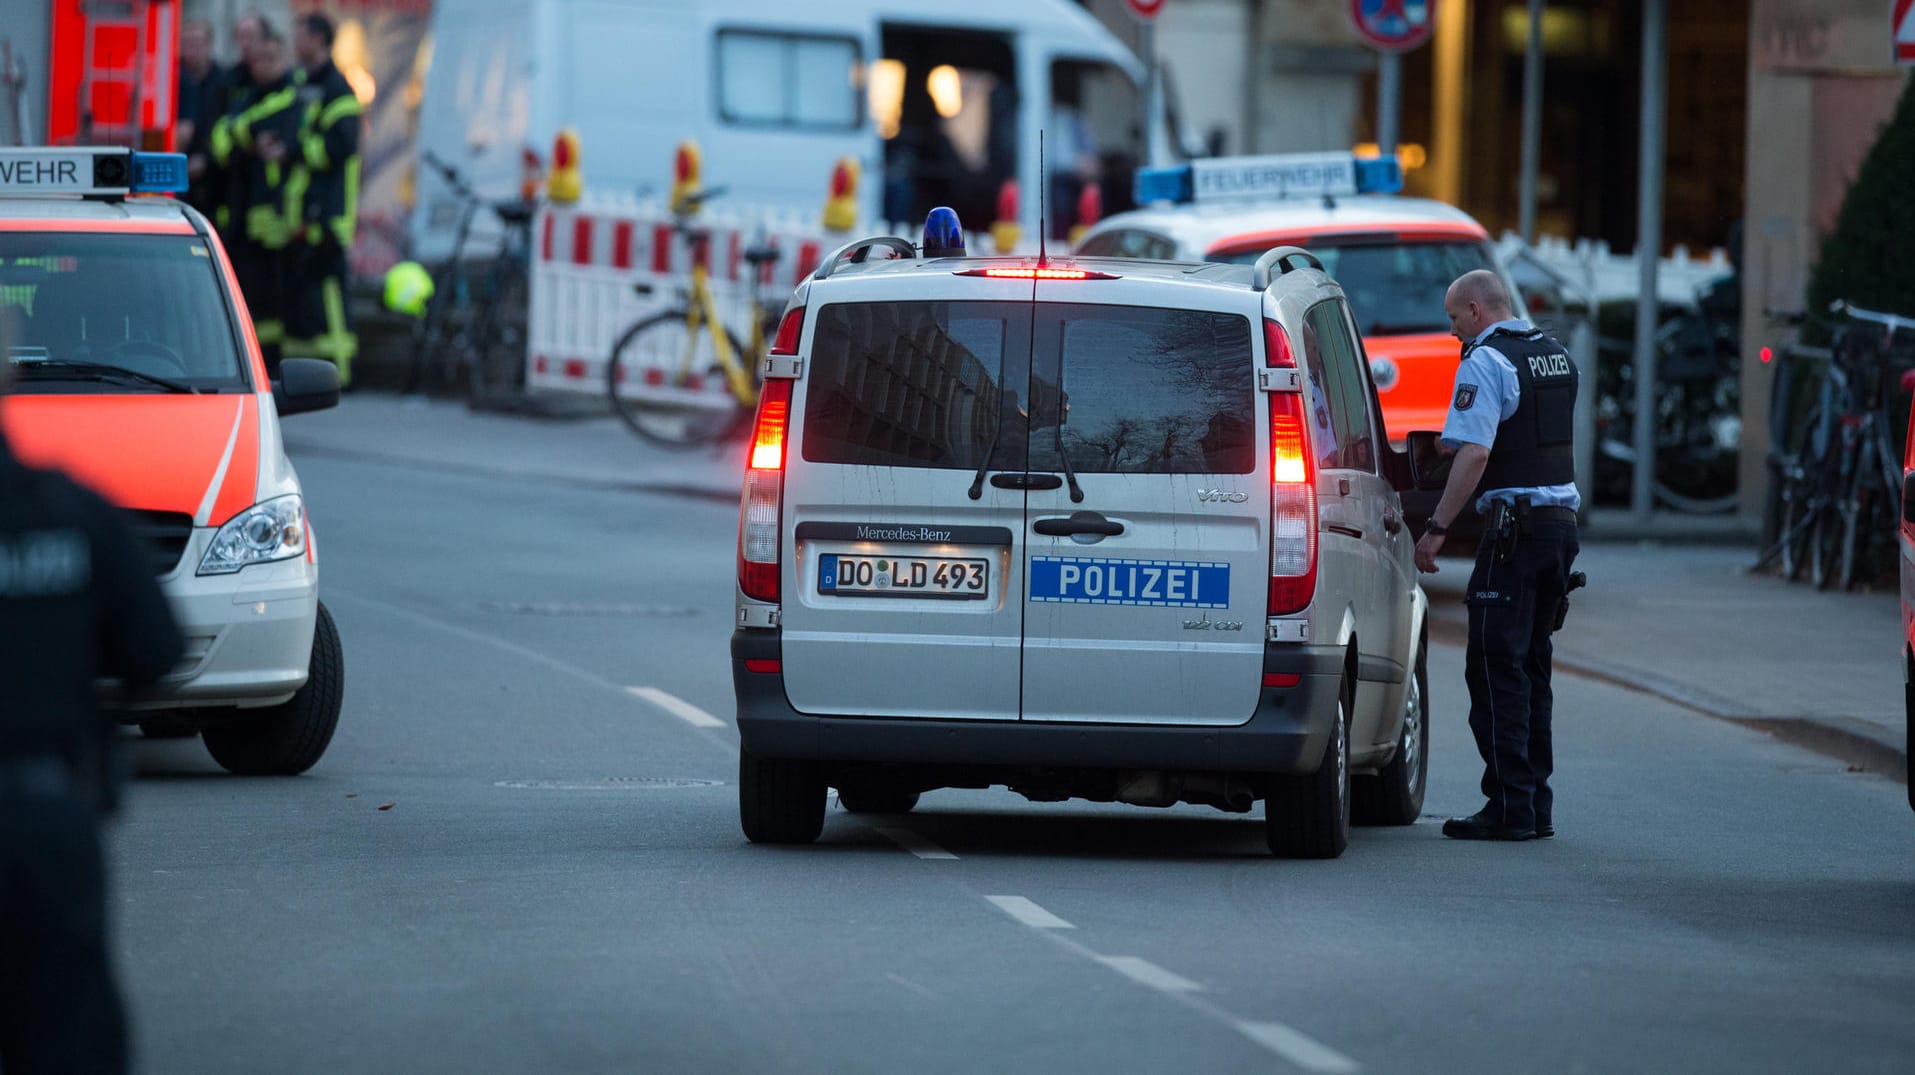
520, 856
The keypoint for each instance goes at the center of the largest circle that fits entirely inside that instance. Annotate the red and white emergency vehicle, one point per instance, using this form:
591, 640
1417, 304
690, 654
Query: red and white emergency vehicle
136, 371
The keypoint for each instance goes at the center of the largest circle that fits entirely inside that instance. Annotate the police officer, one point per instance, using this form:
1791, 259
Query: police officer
1509, 429
328, 189
78, 602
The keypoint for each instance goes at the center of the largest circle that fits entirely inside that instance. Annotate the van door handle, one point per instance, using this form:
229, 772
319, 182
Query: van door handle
1083, 522
1020, 480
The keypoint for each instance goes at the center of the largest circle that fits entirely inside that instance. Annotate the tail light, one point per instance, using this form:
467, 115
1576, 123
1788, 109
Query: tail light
1293, 490
761, 509
758, 514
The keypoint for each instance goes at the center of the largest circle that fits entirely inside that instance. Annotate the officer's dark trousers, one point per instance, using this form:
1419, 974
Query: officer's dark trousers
262, 274
1512, 607
59, 1011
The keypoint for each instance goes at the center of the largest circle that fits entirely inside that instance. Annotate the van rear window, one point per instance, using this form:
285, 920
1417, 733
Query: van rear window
915, 384
1146, 391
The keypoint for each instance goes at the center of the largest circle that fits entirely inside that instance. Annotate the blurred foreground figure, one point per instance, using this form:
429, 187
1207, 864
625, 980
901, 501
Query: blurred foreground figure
78, 604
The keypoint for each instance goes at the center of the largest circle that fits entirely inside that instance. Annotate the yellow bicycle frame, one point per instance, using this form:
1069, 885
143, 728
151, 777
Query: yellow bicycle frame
701, 312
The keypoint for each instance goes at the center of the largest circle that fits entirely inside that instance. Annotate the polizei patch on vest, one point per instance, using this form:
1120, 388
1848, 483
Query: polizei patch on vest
1465, 396
1556, 365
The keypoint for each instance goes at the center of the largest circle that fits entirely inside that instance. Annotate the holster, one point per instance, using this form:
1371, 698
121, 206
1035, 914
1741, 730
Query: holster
1577, 580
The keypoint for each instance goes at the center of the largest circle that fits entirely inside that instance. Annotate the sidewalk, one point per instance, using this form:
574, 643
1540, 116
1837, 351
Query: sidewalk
1684, 622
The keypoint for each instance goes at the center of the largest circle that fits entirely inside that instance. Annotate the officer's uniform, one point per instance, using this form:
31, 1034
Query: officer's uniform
328, 180
78, 601
1516, 395
270, 206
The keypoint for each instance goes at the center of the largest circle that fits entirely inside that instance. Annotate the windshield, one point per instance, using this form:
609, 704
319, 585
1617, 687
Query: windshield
1395, 286
149, 305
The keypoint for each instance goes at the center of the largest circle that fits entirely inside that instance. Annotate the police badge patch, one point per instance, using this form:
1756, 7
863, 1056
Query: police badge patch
1465, 396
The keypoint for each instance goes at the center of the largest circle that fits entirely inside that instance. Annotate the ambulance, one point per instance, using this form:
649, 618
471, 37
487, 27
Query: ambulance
137, 373
1394, 257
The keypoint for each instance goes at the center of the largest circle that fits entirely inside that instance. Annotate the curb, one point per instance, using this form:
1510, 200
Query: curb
1841, 738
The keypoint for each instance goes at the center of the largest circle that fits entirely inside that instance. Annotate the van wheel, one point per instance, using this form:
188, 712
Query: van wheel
288, 738
1308, 817
780, 800
876, 798
1394, 796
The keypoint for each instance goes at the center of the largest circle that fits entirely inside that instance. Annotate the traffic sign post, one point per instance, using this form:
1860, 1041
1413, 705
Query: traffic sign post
1392, 27
1145, 12
1902, 32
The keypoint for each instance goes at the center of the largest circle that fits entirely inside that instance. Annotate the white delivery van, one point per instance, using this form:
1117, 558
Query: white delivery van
939, 103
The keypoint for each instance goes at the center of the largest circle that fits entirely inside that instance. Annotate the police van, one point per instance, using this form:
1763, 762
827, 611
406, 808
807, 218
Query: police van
1093, 528
1394, 257
136, 371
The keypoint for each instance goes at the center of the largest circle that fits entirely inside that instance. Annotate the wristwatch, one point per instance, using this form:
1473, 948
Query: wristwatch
1435, 528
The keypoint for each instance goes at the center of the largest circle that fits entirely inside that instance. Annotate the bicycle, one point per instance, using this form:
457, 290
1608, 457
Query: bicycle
1841, 482
681, 378
482, 334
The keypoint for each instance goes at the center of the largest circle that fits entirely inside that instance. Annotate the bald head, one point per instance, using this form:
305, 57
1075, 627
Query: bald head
1475, 301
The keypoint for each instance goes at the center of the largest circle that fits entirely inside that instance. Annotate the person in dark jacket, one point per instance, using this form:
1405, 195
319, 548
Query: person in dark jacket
260, 144
328, 189
78, 604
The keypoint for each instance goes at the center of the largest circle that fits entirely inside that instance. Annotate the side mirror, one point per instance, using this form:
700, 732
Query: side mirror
1429, 466
306, 384
1908, 497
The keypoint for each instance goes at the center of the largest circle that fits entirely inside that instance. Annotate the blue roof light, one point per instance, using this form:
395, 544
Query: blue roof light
1379, 175
158, 173
1163, 185
943, 234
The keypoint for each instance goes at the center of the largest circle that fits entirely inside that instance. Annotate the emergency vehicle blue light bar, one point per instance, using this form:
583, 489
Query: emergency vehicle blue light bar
89, 172
1285, 175
158, 173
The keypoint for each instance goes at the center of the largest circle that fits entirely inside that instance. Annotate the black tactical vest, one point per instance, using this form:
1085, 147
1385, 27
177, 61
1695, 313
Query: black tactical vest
1534, 445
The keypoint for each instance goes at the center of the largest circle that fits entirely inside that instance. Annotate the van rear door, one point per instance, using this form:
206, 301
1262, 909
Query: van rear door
904, 575
1146, 598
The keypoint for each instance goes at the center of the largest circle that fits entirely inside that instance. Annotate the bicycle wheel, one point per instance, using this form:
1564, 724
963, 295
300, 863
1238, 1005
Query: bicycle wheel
495, 357
1825, 543
664, 398
1800, 483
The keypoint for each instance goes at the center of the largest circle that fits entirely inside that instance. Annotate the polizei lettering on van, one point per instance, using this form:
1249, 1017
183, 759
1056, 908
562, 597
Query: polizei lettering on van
1162, 583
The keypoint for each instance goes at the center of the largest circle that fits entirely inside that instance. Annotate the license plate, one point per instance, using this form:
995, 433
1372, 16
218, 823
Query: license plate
949, 577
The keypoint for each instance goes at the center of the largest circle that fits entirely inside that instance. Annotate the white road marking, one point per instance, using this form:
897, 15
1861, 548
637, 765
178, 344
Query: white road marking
1144, 972
1029, 913
911, 985
916, 844
676, 706
1298, 1048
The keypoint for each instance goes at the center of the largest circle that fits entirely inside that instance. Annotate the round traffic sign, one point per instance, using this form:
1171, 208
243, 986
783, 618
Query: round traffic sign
1393, 25
1145, 9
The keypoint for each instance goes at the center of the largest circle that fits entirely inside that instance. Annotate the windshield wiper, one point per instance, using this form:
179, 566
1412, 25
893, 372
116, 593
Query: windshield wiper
98, 371
990, 449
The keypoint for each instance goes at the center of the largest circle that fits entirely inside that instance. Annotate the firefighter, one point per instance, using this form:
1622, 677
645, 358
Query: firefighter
261, 145
328, 182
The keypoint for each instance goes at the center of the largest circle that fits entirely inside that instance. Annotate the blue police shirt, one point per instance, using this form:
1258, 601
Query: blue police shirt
1486, 394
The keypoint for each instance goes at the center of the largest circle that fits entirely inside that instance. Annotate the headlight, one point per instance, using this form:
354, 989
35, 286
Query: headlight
275, 530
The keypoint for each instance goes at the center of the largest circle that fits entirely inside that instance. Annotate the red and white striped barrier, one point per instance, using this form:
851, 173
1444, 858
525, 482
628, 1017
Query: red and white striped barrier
599, 268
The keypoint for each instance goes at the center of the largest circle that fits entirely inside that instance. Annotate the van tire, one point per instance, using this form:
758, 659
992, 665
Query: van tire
1308, 817
1394, 795
288, 739
780, 800
874, 798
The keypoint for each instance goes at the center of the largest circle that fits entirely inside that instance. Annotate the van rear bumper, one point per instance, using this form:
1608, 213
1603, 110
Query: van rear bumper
1286, 734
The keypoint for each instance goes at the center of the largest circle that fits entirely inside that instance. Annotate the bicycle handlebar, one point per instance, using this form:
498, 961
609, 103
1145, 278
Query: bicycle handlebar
1892, 322
451, 174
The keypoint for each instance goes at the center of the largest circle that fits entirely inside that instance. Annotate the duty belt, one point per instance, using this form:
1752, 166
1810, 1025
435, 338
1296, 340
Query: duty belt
39, 777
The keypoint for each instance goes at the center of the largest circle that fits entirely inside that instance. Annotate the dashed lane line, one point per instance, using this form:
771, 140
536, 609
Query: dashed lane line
1144, 972
676, 706
916, 844
1029, 913
1298, 1048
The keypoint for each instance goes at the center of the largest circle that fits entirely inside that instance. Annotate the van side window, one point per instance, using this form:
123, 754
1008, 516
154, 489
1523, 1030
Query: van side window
788, 80
1348, 388
1324, 401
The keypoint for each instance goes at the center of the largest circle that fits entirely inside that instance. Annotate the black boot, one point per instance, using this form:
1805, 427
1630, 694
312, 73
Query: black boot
1486, 824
